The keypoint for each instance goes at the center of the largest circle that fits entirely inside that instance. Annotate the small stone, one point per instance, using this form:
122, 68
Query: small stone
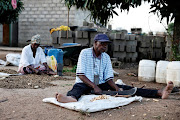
110, 115
147, 99
144, 114
133, 115
155, 100
36, 87
2, 78
29, 84
56, 76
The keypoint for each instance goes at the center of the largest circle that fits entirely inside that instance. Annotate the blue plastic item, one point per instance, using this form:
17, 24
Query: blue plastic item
46, 49
58, 54
68, 44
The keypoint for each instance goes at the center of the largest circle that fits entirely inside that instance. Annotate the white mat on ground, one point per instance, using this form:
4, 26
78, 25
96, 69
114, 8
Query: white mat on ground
85, 104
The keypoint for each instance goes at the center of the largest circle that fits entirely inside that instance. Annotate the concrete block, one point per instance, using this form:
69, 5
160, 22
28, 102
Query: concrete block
123, 35
78, 34
117, 36
121, 47
66, 40
83, 42
127, 37
116, 47
85, 34
62, 34
85, 23
133, 48
92, 34
69, 33
139, 37
131, 42
132, 37
128, 48
119, 55
91, 24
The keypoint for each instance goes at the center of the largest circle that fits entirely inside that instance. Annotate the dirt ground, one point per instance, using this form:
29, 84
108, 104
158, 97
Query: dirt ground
21, 99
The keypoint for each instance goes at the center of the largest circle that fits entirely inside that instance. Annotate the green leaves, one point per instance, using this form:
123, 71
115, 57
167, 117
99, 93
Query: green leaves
7, 13
103, 10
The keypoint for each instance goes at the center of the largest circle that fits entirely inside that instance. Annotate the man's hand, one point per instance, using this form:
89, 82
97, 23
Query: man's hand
97, 90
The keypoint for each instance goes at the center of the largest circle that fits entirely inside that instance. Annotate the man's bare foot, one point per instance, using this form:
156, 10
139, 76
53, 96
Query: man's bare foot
167, 90
64, 99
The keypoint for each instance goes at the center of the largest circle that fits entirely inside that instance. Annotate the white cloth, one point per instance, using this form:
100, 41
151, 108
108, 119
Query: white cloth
85, 104
28, 59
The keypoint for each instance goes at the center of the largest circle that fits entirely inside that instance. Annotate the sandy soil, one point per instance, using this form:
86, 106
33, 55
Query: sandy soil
21, 100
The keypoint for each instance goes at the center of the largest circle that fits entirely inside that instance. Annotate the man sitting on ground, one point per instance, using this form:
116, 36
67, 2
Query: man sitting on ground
95, 72
33, 59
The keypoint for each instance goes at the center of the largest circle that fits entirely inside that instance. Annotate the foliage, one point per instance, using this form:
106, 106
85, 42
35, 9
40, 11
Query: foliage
170, 27
72, 70
103, 10
7, 13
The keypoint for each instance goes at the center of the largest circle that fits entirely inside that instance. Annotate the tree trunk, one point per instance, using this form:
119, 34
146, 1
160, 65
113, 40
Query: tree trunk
176, 39
176, 32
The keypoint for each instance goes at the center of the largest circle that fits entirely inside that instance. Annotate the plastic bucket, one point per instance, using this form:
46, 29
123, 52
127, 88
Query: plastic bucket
161, 71
58, 54
146, 70
173, 73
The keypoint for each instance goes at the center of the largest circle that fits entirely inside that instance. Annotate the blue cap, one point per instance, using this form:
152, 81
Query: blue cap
101, 38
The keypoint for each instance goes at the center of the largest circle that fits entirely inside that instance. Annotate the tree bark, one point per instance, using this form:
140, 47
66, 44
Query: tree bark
176, 32
176, 40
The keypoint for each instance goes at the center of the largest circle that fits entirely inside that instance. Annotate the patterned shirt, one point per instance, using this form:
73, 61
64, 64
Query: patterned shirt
89, 65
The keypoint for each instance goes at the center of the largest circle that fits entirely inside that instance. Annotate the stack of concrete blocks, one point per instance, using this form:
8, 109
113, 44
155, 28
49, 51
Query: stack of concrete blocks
118, 46
158, 48
131, 44
144, 46
151, 47
168, 47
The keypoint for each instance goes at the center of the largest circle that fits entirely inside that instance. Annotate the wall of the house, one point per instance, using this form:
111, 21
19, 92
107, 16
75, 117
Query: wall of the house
41, 15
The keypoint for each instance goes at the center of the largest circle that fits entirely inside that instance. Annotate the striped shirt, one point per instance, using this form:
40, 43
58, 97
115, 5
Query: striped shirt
89, 66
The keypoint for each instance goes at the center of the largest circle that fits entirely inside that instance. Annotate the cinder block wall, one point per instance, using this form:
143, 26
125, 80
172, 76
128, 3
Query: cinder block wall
41, 15
1, 34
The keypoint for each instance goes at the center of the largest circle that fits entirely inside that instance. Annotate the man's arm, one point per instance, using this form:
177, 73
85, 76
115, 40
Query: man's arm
113, 85
85, 80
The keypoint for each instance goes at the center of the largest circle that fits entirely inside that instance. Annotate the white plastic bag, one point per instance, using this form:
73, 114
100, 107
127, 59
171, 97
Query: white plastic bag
13, 58
52, 62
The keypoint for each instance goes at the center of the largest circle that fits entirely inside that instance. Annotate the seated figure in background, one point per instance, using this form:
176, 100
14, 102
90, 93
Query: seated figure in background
33, 59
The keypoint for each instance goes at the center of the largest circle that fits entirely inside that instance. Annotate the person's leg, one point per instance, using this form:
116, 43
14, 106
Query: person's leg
151, 93
74, 94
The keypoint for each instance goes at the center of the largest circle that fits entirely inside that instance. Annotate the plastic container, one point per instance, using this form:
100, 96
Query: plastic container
173, 73
146, 70
58, 54
68, 44
161, 70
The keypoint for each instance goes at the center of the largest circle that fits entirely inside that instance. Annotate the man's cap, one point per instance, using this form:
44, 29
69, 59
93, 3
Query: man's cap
36, 39
101, 38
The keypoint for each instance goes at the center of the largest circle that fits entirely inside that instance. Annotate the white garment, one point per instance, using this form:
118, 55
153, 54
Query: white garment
28, 59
